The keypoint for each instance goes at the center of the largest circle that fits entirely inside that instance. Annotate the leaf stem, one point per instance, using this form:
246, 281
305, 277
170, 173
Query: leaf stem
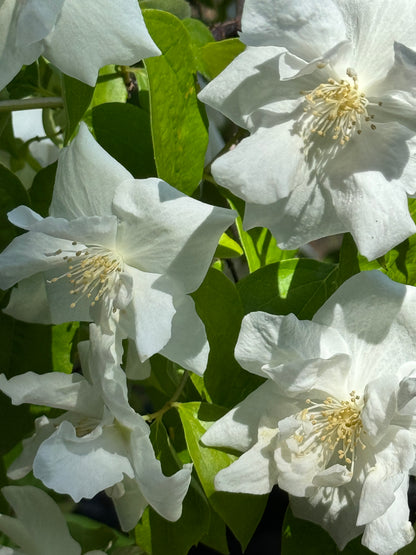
30, 103
171, 403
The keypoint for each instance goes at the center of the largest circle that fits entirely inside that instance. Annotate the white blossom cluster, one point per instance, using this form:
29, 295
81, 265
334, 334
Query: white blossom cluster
327, 91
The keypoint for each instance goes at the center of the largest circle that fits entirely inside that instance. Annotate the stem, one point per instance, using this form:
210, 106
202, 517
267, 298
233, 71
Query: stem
171, 403
30, 103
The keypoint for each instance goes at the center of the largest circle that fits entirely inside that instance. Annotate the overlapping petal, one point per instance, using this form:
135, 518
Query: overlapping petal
65, 29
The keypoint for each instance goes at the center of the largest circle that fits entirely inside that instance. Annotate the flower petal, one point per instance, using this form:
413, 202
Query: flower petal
392, 530
129, 502
375, 316
264, 167
12, 55
119, 39
335, 509
306, 28
394, 456
58, 390
238, 429
245, 85
148, 318
104, 359
86, 178
23, 464
165, 494
380, 406
188, 345
27, 255
82, 466
40, 526
29, 301
296, 354
254, 472
35, 20
188, 230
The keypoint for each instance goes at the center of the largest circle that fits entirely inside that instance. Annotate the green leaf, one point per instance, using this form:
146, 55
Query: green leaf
216, 56
200, 35
228, 248
143, 533
299, 285
179, 126
351, 261
110, 87
77, 97
12, 194
179, 8
23, 348
92, 534
216, 537
123, 130
62, 339
259, 245
240, 512
219, 306
42, 189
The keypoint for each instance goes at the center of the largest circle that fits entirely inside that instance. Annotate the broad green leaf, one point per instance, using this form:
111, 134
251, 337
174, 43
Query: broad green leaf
217, 55
12, 194
25, 83
110, 87
180, 8
91, 534
219, 306
62, 338
23, 348
179, 126
240, 512
42, 189
295, 530
142, 532
299, 285
77, 97
351, 261
228, 248
216, 537
200, 36
258, 244
123, 130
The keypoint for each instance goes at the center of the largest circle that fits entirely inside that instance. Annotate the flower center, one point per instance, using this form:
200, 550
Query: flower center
336, 425
92, 272
337, 108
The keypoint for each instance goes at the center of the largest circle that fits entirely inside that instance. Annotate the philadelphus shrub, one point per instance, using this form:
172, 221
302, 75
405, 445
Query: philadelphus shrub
117, 280
97, 255
334, 424
47, 535
64, 30
327, 92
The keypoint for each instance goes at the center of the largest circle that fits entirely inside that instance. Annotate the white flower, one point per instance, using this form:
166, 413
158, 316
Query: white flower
327, 92
78, 37
115, 247
100, 442
39, 526
335, 422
